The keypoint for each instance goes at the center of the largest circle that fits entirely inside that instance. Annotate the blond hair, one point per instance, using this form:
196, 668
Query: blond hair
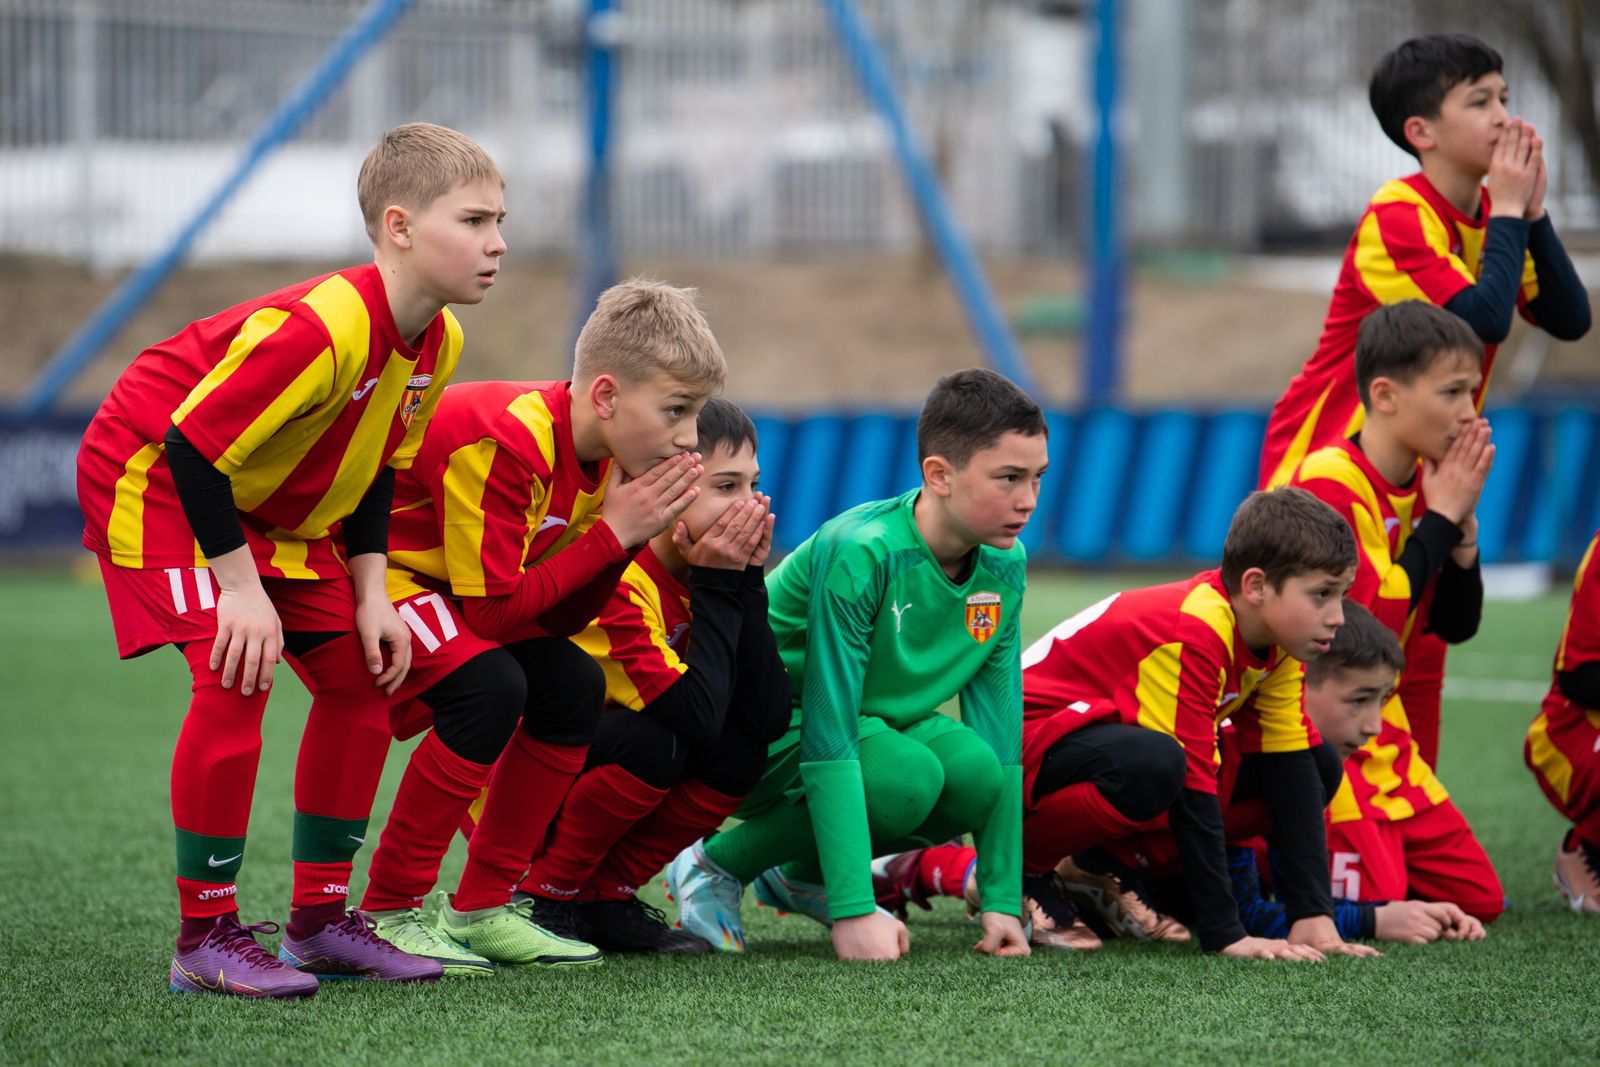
641, 328
415, 164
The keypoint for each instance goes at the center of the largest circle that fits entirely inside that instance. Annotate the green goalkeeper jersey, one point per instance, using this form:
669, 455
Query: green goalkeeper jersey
869, 624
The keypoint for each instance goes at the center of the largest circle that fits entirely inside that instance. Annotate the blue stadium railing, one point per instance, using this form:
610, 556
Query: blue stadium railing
1153, 487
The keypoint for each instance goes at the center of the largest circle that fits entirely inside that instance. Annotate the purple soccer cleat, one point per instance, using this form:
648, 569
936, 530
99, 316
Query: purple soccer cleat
350, 948
231, 962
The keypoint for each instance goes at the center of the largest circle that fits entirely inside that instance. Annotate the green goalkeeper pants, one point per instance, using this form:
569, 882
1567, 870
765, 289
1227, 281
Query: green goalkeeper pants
925, 784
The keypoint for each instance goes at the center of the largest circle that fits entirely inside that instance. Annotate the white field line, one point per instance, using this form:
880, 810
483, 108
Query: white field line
1496, 690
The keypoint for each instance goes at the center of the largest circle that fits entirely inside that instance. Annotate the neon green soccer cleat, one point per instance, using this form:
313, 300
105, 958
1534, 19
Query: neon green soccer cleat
508, 934
406, 931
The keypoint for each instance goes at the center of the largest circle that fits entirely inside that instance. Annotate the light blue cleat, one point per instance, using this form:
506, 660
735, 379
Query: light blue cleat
774, 889
708, 898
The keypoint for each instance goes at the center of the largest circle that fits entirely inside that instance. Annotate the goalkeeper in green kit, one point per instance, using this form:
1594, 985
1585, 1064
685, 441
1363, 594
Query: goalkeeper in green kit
883, 615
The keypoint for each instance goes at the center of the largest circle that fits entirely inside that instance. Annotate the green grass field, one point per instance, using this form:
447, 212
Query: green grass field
88, 909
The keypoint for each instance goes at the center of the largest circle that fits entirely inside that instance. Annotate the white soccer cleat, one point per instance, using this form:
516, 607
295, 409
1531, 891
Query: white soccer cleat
708, 898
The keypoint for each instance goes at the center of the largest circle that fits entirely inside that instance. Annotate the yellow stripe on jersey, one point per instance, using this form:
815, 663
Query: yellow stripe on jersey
1336, 465
1389, 284
1157, 691
1530, 278
465, 478
256, 329
276, 455
125, 532
530, 410
1212, 608
345, 320
619, 687
358, 467
1552, 763
289, 555
1279, 699
1379, 273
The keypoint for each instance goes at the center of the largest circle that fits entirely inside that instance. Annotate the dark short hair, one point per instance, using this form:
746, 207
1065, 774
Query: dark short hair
1401, 341
722, 422
1414, 78
1362, 642
1286, 532
969, 411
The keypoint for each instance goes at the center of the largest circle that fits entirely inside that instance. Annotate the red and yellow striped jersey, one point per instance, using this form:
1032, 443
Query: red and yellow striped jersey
1411, 244
496, 486
1381, 515
1562, 727
300, 397
1171, 658
1387, 778
642, 634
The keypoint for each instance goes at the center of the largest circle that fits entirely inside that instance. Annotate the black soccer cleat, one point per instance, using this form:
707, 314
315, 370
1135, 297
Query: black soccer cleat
633, 926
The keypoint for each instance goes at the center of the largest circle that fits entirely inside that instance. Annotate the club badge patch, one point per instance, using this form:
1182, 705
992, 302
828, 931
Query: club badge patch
409, 404
983, 616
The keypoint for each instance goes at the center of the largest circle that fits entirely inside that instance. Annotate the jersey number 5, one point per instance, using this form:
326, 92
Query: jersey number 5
1347, 876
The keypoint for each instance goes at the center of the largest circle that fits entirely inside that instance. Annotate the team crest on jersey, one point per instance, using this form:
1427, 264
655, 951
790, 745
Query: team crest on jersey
415, 387
983, 616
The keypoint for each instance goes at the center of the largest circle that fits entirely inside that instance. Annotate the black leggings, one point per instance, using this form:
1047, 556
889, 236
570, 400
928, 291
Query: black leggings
641, 745
549, 683
1138, 771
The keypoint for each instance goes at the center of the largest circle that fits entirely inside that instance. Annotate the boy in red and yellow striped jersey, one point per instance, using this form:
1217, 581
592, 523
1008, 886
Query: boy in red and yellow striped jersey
1121, 705
526, 504
218, 481
1479, 248
1408, 483
695, 693
1563, 746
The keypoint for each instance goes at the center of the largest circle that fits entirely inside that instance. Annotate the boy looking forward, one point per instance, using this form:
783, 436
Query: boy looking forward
1468, 232
1408, 484
1121, 704
1563, 746
527, 502
210, 479
885, 613
695, 692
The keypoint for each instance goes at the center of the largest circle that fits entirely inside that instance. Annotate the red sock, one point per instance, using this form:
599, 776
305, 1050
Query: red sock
1070, 820
213, 779
1244, 819
342, 752
437, 787
691, 811
529, 784
942, 870
603, 805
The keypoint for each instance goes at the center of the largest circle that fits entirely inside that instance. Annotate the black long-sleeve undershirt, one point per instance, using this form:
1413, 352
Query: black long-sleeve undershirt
1488, 305
366, 529
1427, 551
695, 707
1457, 602
1292, 788
1581, 685
206, 495
1196, 821
1562, 307
761, 688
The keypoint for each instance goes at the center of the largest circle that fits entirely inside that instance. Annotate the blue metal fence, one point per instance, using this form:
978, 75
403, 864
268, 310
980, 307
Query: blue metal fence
1124, 488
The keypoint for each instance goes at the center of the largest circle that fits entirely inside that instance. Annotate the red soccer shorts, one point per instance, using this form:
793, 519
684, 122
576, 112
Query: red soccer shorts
1563, 752
441, 641
1429, 856
151, 608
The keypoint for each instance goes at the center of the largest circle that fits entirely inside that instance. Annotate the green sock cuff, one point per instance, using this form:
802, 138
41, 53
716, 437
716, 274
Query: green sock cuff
323, 839
202, 858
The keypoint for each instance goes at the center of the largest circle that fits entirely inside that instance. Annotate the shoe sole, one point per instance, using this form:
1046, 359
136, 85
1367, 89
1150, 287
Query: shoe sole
298, 964
175, 984
1103, 904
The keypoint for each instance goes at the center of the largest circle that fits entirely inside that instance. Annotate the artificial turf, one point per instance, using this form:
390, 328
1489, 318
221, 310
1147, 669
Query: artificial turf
89, 912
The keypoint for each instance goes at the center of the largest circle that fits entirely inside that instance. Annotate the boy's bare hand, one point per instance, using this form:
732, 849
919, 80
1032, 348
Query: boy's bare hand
379, 624
1458, 925
1513, 170
878, 937
728, 542
637, 509
1535, 209
763, 549
1454, 484
1318, 932
249, 637
1002, 936
1268, 948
